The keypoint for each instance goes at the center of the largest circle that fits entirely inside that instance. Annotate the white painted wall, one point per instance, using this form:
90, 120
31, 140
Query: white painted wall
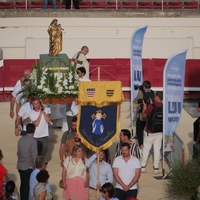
106, 37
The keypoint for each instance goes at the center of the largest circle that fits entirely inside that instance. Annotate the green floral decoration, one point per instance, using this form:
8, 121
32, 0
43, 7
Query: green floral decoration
47, 83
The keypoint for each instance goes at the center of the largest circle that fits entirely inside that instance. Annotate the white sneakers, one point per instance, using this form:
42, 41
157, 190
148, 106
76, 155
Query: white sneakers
156, 171
143, 170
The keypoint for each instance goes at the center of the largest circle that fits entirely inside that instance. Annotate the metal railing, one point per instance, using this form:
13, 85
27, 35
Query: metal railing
172, 157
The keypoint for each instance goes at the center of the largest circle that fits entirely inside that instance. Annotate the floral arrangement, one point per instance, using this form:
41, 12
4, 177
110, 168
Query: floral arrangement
47, 83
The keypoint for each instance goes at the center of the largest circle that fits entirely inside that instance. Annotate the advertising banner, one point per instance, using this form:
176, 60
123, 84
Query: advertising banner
173, 86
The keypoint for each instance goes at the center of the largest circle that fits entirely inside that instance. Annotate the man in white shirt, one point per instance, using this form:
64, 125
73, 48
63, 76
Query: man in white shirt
126, 171
23, 115
80, 60
40, 116
81, 71
18, 86
16, 96
40, 164
27, 74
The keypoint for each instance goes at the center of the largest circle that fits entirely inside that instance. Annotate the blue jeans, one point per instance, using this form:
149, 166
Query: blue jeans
46, 4
24, 186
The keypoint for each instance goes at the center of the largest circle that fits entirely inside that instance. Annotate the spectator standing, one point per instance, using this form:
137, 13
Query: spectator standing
126, 171
105, 173
17, 96
40, 116
80, 60
152, 138
125, 136
76, 141
27, 153
23, 115
3, 175
196, 126
74, 176
40, 191
65, 137
40, 164
27, 74
144, 92
81, 71
75, 3
45, 5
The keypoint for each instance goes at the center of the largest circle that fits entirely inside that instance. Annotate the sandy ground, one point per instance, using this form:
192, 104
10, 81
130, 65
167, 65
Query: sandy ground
150, 188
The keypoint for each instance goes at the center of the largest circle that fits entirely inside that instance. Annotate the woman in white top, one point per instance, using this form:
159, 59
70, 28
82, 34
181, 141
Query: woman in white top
74, 176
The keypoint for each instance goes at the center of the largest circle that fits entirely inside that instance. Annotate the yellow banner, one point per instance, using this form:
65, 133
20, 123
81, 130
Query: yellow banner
100, 93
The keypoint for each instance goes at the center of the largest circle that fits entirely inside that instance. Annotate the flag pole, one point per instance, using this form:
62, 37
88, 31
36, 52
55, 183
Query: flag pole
98, 175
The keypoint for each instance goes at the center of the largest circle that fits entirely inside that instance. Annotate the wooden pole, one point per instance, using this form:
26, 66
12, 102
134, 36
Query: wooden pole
98, 176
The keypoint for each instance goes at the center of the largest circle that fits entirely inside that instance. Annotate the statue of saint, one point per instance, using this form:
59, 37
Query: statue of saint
55, 38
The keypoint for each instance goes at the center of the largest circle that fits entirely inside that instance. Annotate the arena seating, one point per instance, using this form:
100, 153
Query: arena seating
128, 5
112, 4
175, 5
39, 4
159, 5
36, 4
85, 5
144, 5
98, 4
7, 5
63, 4
105, 4
20, 4
190, 5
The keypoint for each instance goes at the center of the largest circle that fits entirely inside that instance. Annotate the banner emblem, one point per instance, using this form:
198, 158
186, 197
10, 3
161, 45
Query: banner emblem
109, 93
97, 125
90, 92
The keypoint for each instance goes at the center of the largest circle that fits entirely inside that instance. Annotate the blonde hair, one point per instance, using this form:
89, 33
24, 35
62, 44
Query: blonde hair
75, 148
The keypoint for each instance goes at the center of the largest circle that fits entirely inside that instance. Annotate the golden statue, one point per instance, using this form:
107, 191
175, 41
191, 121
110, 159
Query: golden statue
55, 38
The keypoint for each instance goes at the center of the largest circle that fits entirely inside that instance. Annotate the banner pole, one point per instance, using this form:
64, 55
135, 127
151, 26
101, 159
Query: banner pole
98, 175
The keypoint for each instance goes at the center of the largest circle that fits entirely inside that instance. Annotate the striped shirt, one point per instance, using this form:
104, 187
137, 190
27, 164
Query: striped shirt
134, 151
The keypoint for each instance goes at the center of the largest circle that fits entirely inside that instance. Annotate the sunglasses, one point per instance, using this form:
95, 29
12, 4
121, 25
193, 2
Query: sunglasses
102, 191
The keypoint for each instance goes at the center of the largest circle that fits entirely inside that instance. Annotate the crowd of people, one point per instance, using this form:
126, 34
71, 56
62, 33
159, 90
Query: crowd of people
85, 174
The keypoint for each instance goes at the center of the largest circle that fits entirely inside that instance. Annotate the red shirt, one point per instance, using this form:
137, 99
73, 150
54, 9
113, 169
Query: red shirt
148, 112
2, 174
